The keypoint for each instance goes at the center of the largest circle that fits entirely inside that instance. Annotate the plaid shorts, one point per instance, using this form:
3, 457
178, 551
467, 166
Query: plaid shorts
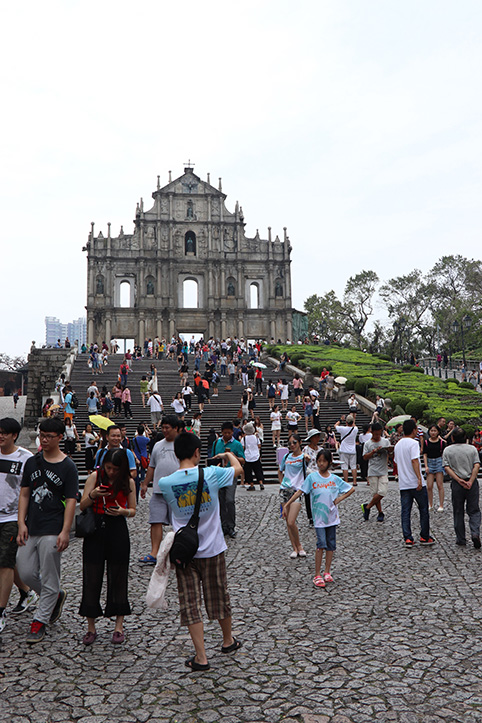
210, 573
8, 544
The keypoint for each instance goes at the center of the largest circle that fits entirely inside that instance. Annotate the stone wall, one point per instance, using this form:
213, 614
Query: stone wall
44, 368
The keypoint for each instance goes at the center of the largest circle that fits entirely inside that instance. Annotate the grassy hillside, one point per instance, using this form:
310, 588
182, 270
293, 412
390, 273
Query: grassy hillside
370, 374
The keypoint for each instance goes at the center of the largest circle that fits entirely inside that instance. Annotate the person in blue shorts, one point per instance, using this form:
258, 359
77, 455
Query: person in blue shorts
326, 491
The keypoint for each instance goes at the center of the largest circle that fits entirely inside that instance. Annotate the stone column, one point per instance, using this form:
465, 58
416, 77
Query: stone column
289, 329
211, 329
159, 328
240, 328
172, 328
272, 327
107, 329
142, 332
90, 331
223, 325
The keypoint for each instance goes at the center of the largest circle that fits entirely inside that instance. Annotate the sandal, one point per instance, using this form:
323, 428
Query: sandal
148, 560
327, 577
191, 663
235, 645
318, 581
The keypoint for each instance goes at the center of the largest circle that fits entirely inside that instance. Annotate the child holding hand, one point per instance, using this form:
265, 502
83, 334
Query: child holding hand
326, 491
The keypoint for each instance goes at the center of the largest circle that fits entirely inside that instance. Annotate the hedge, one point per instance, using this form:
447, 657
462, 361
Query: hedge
441, 398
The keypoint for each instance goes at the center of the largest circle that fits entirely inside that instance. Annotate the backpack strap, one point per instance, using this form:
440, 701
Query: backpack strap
194, 521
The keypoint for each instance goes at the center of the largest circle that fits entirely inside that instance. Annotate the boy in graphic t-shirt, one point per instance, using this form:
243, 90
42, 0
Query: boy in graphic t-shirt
208, 566
326, 491
12, 462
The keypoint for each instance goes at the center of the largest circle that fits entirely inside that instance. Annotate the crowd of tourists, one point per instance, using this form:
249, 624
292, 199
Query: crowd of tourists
39, 493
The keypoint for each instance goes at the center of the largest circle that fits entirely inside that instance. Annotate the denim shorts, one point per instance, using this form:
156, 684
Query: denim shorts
286, 493
326, 538
435, 465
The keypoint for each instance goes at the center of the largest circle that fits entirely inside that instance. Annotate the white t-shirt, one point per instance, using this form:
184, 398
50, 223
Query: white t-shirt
251, 449
178, 406
89, 441
164, 461
11, 470
155, 403
406, 450
292, 418
348, 439
179, 490
186, 391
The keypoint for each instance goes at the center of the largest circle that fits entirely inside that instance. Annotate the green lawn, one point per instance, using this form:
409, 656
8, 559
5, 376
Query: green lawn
383, 377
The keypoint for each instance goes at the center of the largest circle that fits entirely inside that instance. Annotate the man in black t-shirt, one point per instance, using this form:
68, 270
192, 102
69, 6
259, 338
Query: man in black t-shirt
46, 508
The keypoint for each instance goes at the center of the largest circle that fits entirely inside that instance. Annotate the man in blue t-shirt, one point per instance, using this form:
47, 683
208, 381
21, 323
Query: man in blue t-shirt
207, 569
114, 441
227, 443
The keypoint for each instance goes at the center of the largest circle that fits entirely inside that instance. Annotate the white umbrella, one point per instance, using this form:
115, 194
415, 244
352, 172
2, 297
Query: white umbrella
259, 365
340, 380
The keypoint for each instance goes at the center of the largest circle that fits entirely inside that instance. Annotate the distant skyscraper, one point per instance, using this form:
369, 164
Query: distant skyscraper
75, 330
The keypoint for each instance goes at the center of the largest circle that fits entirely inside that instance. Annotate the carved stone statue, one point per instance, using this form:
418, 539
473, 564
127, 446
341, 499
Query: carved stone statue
100, 286
190, 211
231, 291
278, 288
190, 245
150, 287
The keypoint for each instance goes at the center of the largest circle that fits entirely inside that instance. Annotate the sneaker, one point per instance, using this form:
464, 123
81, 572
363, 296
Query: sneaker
430, 508
57, 611
301, 553
37, 632
409, 542
3, 621
381, 517
293, 555
24, 603
366, 512
475, 540
440, 509
428, 541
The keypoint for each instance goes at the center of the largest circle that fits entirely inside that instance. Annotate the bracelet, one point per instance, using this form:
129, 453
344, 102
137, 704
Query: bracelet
91, 498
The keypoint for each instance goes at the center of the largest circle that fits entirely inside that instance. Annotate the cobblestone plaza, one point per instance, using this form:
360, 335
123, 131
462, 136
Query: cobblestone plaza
395, 638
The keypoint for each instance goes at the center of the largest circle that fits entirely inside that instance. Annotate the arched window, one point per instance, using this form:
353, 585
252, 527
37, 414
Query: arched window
125, 295
150, 286
190, 294
253, 296
190, 243
230, 286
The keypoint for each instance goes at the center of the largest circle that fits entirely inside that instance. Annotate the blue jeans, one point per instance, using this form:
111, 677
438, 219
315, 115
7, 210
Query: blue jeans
406, 498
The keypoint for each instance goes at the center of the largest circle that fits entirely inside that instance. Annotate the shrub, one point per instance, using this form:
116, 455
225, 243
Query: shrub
401, 400
407, 368
466, 385
397, 411
451, 381
417, 370
469, 430
350, 384
416, 408
363, 384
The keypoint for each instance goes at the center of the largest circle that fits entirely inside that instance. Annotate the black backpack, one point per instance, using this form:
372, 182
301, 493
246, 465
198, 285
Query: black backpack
74, 402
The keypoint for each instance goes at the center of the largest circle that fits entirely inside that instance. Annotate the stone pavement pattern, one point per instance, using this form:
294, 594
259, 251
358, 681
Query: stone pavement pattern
396, 638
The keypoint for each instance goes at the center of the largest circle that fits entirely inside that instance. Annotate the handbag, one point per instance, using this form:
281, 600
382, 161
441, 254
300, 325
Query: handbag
186, 539
85, 523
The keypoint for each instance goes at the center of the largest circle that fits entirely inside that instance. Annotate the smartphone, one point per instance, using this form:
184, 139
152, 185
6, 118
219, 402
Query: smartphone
213, 461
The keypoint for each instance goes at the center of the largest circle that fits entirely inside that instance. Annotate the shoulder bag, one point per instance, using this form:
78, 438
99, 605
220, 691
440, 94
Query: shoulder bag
186, 539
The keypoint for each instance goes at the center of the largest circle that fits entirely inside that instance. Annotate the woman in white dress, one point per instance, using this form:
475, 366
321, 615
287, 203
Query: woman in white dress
275, 417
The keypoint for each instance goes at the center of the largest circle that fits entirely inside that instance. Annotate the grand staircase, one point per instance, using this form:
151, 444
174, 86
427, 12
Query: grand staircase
222, 408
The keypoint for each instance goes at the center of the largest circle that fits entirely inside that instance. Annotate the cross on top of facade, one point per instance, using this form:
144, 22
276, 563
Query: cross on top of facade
189, 164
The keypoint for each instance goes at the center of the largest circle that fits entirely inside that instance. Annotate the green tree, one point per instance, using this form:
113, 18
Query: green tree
358, 303
325, 316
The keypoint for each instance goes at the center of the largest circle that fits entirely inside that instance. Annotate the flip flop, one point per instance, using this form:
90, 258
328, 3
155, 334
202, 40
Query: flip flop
191, 663
148, 560
235, 645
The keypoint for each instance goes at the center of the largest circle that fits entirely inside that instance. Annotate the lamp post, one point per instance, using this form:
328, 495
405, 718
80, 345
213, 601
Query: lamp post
466, 323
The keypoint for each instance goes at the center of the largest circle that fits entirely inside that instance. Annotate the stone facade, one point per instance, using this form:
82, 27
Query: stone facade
44, 368
136, 281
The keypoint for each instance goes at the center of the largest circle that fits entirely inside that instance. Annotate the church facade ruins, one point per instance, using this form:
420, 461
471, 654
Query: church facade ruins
137, 283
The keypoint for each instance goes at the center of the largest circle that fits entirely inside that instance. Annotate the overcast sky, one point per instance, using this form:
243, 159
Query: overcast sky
356, 124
